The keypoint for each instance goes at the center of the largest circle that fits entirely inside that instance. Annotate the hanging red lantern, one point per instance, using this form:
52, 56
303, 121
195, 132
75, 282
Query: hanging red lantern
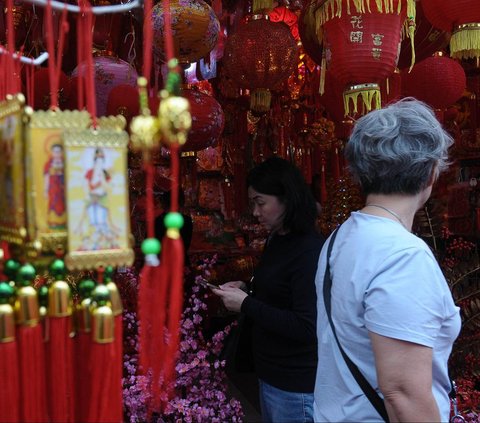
110, 71
307, 29
438, 81
289, 18
362, 45
462, 19
195, 29
207, 120
123, 100
255, 58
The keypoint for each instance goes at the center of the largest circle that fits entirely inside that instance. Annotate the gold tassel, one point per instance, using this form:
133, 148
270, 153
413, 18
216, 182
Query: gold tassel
368, 93
410, 22
323, 66
260, 99
262, 5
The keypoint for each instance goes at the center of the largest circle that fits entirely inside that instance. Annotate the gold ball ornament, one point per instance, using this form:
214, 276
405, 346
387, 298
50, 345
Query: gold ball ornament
174, 118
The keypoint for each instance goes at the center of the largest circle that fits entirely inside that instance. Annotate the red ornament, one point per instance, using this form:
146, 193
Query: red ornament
207, 121
362, 46
255, 58
438, 81
307, 30
285, 15
123, 100
41, 97
462, 18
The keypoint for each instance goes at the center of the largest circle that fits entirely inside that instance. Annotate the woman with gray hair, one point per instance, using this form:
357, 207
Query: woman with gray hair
386, 318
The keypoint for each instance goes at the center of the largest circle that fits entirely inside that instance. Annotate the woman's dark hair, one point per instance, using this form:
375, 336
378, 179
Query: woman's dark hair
279, 177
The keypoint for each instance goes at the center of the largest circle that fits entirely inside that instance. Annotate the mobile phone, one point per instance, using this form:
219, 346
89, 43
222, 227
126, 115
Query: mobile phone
209, 285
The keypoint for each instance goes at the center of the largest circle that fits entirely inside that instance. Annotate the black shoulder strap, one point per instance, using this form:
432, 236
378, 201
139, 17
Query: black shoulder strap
367, 389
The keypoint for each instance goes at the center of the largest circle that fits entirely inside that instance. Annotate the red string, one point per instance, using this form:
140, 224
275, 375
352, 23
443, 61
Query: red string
168, 30
150, 212
54, 62
175, 166
11, 49
80, 78
147, 39
29, 71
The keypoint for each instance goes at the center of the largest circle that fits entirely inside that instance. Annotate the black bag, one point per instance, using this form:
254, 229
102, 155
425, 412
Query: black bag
238, 346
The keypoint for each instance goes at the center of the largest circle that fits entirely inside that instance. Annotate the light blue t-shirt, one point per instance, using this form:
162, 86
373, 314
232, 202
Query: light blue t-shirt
387, 281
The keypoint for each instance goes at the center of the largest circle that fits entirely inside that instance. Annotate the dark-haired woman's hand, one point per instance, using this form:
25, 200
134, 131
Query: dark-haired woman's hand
232, 297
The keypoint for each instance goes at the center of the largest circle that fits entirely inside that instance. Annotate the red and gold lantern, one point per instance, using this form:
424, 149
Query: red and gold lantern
195, 29
255, 58
362, 43
437, 80
207, 120
462, 18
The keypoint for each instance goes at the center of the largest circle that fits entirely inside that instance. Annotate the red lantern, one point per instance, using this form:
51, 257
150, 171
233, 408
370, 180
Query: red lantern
123, 100
195, 30
308, 34
462, 18
109, 72
207, 120
260, 55
437, 80
41, 97
362, 46
285, 15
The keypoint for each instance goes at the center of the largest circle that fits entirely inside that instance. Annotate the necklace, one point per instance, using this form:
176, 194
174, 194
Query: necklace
395, 215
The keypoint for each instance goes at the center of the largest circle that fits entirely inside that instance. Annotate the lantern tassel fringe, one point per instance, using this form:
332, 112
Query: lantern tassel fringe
260, 100
259, 5
465, 43
367, 96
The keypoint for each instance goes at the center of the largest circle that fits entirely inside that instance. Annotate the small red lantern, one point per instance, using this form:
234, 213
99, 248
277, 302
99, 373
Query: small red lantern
207, 120
438, 81
260, 56
362, 45
123, 100
462, 18
195, 30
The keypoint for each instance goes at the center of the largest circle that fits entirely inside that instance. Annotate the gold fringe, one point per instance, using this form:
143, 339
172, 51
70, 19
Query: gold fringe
465, 42
260, 100
333, 8
323, 67
368, 96
260, 5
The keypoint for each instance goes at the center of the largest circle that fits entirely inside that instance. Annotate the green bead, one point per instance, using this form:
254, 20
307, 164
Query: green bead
101, 295
43, 295
6, 292
108, 274
151, 246
26, 274
85, 288
11, 268
58, 269
173, 220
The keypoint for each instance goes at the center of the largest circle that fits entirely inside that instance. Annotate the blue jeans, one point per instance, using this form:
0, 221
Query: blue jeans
283, 406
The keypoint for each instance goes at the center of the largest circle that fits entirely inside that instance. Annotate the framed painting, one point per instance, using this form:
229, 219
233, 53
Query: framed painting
12, 178
97, 199
45, 181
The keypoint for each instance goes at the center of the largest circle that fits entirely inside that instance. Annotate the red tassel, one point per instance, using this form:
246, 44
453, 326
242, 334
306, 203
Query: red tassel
323, 184
9, 387
335, 165
31, 357
32, 374
103, 404
59, 348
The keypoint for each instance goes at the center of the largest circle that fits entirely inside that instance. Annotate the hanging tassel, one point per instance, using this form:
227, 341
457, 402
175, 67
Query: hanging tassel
102, 407
411, 28
465, 42
323, 71
335, 165
31, 352
9, 377
323, 184
117, 309
82, 342
59, 347
259, 6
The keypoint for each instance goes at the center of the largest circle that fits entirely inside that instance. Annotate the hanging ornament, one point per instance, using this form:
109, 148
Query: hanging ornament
195, 29
438, 81
361, 45
310, 35
265, 63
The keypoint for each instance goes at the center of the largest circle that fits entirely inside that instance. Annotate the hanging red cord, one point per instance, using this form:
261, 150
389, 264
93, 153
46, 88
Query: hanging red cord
10, 47
147, 40
55, 62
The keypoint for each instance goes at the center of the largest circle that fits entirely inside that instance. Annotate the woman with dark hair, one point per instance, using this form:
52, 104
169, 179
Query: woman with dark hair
282, 302
383, 303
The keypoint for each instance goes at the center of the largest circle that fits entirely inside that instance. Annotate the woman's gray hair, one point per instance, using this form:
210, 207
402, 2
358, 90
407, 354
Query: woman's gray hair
396, 149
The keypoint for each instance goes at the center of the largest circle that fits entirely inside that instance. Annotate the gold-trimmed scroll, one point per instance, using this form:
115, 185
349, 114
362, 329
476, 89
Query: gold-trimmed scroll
12, 178
97, 199
45, 180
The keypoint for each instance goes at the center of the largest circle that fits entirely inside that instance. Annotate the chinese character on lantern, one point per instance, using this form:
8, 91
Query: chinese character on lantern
356, 36
377, 39
356, 22
376, 53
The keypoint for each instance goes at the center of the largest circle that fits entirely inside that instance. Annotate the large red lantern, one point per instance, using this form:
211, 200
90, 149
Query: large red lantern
362, 45
437, 80
462, 18
260, 56
307, 28
195, 30
207, 120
